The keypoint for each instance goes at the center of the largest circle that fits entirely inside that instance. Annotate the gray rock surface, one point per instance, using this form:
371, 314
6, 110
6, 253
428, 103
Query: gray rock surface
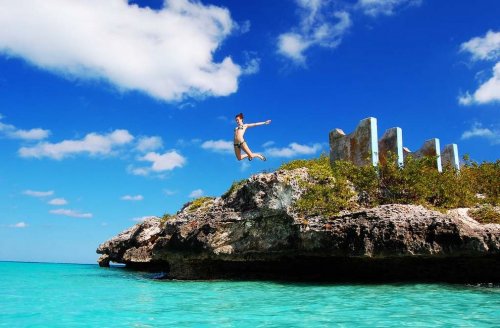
253, 232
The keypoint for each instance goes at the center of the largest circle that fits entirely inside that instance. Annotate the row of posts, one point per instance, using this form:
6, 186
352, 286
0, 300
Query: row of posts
363, 146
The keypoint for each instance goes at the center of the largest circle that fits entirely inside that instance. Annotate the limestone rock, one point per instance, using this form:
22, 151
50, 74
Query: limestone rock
253, 232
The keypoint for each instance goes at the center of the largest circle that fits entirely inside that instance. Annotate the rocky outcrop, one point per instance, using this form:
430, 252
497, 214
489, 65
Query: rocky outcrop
254, 232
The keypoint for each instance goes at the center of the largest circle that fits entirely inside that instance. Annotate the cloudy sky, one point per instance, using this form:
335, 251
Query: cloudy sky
113, 111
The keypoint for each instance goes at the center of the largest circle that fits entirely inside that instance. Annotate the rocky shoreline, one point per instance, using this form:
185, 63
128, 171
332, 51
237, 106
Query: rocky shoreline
253, 232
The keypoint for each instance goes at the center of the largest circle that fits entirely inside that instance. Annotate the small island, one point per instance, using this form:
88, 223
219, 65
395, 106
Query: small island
317, 220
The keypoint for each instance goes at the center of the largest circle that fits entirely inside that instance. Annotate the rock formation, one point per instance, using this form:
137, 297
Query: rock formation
253, 232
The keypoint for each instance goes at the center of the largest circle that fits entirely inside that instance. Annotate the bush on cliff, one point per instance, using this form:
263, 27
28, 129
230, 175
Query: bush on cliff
486, 214
417, 182
326, 193
234, 187
197, 203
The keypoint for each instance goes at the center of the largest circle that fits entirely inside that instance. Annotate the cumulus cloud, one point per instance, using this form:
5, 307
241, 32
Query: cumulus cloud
478, 131
132, 198
487, 92
19, 225
384, 7
294, 149
484, 48
71, 213
11, 132
323, 23
159, 162
196, 193
166, 53
218, 146
97, 144
318, 27
146, 144
58, 201
92, 144
39, 194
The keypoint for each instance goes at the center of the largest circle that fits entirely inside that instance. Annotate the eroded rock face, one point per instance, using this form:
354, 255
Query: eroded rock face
254, 233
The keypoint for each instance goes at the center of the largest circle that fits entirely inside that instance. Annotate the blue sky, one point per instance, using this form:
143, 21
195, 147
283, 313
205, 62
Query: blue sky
112, 111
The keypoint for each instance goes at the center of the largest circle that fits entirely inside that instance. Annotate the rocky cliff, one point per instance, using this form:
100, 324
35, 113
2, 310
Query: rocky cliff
253, 232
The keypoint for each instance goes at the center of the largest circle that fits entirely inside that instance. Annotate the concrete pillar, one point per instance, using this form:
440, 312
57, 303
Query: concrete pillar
360, 147
391, 141
430, 147
450, 157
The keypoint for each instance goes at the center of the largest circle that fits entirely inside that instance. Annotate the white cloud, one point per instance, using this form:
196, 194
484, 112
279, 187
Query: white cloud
292, 45
132, 198
58, 201
317, 28
92, 143
268, 144
144, 171
294, 149
71, 213
169, 192
142, 218
245, 27
186, 143
323, 23
160, 162
466, 99
384, 7
252, 67
219, 146
35, 193
487, 92
196, 193
166, 53
19, 225
10, 131
478, 131
95, 144
146, 144
484, 48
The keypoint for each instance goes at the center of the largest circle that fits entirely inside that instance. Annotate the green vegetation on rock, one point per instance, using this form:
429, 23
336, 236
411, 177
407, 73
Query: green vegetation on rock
166, 217
197, 203
234, 187
326, 193
486, 214
334, 186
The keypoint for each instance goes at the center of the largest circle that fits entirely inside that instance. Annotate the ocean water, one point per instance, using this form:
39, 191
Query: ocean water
68, 295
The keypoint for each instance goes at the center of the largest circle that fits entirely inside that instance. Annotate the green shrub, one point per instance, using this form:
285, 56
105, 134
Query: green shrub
325, 193
484, 179
485, 214
197, 203
416, 182
234, 187
166, 217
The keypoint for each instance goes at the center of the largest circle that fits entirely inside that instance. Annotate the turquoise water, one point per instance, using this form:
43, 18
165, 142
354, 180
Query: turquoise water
66, 295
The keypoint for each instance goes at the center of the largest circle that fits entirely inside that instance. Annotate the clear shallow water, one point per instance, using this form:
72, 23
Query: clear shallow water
65, 295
